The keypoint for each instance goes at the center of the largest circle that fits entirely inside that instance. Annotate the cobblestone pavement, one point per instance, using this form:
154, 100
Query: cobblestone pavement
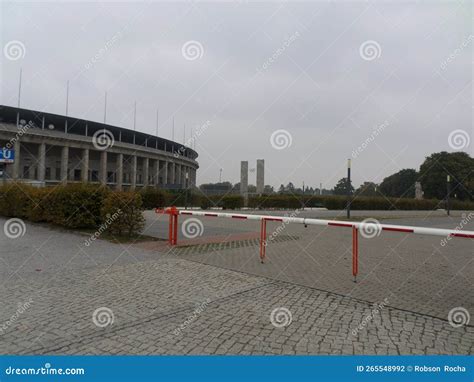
116, 299
415, 273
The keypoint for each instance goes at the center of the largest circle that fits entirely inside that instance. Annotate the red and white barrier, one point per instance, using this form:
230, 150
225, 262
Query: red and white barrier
356, 227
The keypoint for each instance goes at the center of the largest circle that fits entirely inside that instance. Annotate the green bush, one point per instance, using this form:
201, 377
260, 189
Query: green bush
75, 205
16, 200
205, 203
152, 198
122, 213
232, 202
334, 202
39, 204
275, 201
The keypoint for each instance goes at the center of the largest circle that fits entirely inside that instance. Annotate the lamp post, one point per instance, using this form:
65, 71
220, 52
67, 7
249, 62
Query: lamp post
186, 191
448, 189
348, 189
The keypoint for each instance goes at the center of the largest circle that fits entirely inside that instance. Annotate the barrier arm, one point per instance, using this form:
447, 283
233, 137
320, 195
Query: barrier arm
355, 226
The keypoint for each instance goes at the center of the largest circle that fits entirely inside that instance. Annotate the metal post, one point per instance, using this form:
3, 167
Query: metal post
135, 116
448, 186
19, 87
105, 108
263, 239
172, 131
186, 191
348, 188
157, 123
355, 252
67, 97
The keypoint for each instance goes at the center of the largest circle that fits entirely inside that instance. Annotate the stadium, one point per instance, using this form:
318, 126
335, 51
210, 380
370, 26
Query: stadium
47, 149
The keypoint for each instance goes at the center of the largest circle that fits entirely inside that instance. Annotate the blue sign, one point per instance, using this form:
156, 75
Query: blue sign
237, 368
7, 155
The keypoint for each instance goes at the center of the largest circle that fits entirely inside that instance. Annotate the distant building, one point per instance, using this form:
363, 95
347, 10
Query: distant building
216, 188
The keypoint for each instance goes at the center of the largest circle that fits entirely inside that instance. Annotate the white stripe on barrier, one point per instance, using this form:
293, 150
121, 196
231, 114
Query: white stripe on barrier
337, 223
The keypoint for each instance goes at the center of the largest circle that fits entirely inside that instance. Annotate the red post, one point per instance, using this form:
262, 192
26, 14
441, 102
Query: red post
263, 239
173, 225
175, 228
355, 252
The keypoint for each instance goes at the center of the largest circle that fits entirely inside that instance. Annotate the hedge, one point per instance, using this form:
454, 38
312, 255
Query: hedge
153, 198
333, 202
72, 206
122, 213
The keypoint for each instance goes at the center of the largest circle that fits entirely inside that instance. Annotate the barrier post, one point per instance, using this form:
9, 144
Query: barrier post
173, 225
263, 239
175, 228
355, 252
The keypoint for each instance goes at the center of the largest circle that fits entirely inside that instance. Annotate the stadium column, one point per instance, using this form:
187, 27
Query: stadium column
103, 168
41, 161
133, 175
177, 174
171, 173
146, 164
119, 173
64, 164
85, 165
165, 173
16, 164
184, 170
156, 177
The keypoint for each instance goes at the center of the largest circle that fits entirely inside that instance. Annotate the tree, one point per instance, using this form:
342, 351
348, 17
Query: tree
367, 189
268, 190
281, 190
400, 184
342, 188
436, 168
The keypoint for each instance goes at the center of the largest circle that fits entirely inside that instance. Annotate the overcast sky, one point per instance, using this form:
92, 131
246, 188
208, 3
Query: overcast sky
301, 85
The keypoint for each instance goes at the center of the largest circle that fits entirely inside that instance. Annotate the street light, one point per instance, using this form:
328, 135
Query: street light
448, 187
348, 189
186, 191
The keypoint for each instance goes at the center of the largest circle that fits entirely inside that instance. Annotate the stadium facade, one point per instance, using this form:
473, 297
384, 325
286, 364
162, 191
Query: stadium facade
50, 149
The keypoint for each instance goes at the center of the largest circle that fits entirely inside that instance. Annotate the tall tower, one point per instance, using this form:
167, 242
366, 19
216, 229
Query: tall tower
260, 176
244, 178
